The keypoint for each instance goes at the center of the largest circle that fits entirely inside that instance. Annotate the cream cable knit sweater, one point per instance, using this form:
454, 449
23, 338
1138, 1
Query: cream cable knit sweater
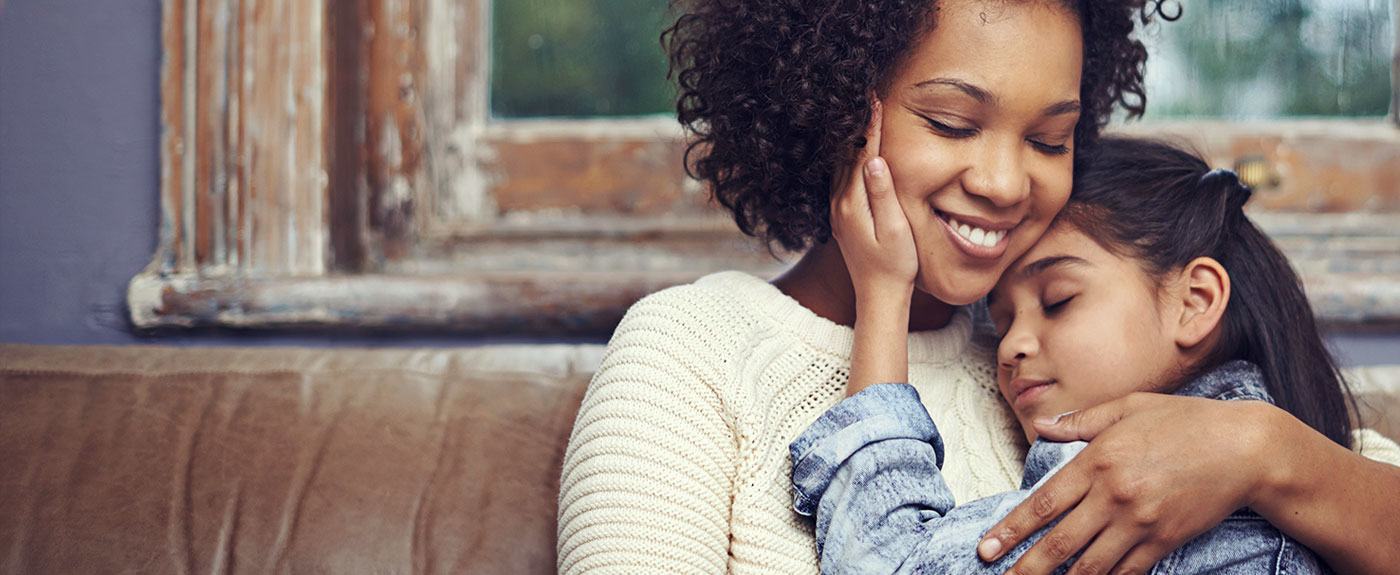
678, 460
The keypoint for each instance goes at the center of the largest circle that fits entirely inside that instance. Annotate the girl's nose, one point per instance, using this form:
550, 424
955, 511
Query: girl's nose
1018, 346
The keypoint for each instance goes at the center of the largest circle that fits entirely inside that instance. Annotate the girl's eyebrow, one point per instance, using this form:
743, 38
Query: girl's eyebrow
1039, 266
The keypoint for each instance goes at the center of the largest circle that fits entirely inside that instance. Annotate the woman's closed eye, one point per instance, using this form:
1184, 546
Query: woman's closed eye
950, 131
1048, 148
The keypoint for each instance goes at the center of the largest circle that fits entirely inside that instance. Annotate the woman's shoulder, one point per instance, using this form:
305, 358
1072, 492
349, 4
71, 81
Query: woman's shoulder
711, 309
701, 325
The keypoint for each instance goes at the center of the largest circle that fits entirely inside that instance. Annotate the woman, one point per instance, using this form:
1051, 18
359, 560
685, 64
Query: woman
678, 460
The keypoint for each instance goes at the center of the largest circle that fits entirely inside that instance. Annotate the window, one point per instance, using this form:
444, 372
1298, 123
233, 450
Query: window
476, 167
1228, 59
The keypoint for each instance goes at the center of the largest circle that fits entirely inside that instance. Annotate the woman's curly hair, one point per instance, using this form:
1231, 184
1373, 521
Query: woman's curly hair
776, 93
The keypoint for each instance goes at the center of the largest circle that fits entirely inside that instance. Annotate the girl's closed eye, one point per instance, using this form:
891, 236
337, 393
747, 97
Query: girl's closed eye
1056, 306
1058, 293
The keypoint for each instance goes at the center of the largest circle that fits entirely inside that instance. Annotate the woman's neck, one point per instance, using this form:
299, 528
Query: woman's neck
821, 283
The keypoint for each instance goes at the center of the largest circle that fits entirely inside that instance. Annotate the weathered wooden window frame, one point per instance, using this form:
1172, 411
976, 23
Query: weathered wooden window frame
334, 165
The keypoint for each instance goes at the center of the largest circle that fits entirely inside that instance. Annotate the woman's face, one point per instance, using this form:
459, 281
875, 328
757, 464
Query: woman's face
1079, 326
978, 134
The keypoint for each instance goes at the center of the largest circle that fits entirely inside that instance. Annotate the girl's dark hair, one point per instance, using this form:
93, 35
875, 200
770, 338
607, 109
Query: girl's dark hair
777, 93
1164, 206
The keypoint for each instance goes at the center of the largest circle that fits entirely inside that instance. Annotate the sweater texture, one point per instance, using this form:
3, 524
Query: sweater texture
678, 460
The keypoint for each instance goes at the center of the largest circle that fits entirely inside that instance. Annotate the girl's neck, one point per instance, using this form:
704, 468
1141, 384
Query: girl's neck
821, 283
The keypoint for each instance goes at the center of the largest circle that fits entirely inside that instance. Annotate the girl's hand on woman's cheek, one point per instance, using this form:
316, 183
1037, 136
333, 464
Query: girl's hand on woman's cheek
870, 226
1158, 471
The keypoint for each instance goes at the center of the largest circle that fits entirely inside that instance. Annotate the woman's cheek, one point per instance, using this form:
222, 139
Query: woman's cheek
1052, 183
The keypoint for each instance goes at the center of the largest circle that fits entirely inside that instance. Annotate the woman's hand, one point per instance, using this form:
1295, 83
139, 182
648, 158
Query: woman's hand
1159, 471
870, 226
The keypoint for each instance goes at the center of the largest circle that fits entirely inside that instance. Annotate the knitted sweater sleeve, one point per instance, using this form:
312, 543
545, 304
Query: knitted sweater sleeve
1375, 446
648, 473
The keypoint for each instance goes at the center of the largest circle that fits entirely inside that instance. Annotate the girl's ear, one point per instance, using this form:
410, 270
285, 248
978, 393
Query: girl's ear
1205, 293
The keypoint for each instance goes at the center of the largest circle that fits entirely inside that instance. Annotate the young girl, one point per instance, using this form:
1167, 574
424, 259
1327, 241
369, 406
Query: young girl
1150, 280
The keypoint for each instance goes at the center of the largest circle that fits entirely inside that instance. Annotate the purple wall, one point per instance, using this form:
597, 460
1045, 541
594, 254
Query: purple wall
78, 164
79, 180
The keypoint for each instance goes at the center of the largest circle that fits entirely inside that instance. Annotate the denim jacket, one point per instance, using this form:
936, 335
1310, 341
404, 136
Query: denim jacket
868, 469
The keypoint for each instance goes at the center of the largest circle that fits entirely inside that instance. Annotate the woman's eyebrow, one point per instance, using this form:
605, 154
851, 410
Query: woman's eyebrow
977, 93
1062, 108
1039, 266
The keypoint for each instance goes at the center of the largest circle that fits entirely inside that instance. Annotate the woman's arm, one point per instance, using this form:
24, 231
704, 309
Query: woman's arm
1344, 506
1162, 469
648, 474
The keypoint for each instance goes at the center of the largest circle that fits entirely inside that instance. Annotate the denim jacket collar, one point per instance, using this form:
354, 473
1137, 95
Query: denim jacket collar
1232, 380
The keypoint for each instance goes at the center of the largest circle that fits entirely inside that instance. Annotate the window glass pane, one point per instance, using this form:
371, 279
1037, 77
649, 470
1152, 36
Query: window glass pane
1271, 58
1231, 58
579, 58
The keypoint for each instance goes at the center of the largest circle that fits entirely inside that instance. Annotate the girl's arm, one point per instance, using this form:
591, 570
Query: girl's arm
868, 469
878, 247
1136, 497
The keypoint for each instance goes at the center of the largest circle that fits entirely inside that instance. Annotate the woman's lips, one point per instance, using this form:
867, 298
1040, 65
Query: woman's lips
974, 249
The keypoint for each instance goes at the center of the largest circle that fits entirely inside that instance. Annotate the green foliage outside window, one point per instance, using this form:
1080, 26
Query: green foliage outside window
578, 58
1268, 58
1230, 58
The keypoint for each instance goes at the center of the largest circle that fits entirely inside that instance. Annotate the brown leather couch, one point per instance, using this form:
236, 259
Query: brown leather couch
164, 460
255, 460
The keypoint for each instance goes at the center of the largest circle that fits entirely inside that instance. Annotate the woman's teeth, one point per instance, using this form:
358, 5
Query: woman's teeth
977, 236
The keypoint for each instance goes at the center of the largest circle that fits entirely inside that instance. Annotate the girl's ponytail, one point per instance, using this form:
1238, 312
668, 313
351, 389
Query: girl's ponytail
1269, 323
1165, 207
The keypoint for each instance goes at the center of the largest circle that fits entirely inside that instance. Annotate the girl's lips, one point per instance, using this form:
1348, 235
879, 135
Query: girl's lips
972, 250
1029, 393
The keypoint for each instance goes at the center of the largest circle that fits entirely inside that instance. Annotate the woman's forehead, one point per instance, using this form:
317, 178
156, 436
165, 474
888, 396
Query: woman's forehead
1008, 49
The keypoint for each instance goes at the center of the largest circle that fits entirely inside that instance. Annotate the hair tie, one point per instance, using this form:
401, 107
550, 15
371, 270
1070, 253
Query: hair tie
1226, 182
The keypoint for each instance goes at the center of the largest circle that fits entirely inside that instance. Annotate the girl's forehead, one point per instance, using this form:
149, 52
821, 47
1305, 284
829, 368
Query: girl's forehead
1062, 246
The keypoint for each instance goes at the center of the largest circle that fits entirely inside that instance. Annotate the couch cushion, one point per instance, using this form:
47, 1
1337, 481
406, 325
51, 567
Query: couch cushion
248, 460
225, 460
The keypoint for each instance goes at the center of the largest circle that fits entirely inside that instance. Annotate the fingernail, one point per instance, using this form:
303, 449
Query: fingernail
989, 548
1054, 420
875, 167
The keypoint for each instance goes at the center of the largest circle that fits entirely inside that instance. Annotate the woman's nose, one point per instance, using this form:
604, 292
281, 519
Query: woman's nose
999, 174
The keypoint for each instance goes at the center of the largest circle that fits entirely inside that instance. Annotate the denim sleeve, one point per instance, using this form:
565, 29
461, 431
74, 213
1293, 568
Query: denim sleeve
869, 469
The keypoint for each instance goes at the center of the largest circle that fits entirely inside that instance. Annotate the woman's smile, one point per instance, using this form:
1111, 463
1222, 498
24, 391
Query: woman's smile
978, 238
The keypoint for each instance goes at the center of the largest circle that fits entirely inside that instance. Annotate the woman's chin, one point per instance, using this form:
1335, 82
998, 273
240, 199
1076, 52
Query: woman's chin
961, 288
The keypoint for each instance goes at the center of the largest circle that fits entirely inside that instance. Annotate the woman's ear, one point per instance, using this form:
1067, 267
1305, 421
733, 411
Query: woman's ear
1205, 293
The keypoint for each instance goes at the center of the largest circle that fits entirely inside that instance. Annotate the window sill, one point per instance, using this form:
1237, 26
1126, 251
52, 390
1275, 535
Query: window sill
1350, 264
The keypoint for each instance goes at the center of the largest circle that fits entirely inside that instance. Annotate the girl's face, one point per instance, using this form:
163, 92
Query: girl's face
978, 134
1079, 326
